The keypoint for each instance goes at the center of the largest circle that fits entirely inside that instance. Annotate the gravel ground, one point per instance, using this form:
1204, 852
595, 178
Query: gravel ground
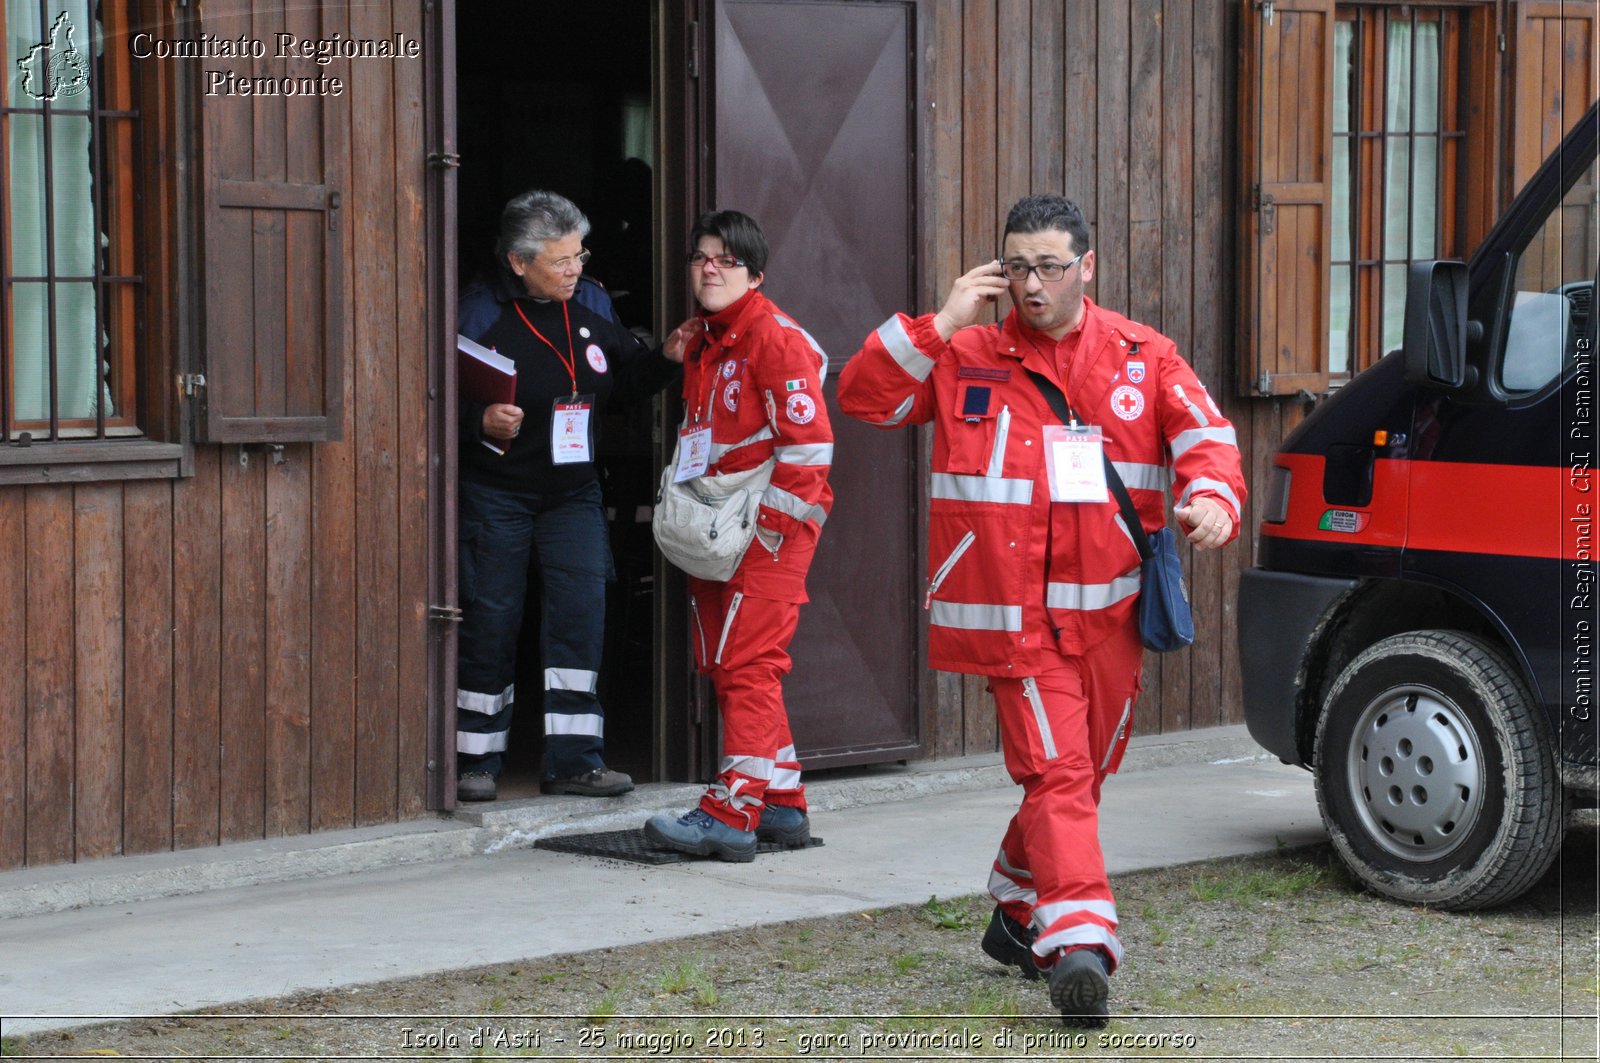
1279, 957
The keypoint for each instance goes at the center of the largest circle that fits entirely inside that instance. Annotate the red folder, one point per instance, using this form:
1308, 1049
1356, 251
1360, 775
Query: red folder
483, 375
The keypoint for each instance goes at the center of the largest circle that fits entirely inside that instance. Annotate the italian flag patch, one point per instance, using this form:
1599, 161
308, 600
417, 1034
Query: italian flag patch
794, 385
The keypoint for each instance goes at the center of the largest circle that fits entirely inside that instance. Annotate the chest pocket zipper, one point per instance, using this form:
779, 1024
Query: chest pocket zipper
949, 563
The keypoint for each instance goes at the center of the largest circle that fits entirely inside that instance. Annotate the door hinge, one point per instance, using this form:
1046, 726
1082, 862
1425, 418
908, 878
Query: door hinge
189, 383
445, 160
450, 614
1266, 10
1264, 383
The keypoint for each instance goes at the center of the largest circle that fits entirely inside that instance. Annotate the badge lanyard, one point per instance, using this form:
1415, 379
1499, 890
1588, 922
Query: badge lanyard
571, 431
694, 438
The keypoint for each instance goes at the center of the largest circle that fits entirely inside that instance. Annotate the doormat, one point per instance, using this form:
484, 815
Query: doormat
633, 845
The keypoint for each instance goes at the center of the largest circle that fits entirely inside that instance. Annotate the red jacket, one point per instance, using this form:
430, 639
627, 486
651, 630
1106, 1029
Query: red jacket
756, 376
992, 587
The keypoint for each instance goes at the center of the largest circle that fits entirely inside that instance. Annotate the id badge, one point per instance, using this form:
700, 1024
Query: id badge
1075, 461
569, 430
694, 453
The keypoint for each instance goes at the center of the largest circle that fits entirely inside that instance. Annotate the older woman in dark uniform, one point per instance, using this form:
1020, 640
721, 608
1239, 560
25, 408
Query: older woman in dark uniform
538, 502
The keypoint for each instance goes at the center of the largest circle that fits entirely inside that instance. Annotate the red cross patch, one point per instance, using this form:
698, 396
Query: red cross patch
1127, 403
800, 408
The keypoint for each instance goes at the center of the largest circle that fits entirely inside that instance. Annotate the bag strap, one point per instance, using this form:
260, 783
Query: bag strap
1130, 516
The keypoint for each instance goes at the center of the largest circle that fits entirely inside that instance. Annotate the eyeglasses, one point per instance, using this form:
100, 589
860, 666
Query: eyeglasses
1018, 270
698, 259
561, 265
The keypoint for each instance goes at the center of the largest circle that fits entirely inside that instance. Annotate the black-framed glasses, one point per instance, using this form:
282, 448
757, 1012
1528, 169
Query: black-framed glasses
1018, 270
581, 259
697, 259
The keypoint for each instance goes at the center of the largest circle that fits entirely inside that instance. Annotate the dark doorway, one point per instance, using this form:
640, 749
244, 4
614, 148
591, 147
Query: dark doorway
558, 96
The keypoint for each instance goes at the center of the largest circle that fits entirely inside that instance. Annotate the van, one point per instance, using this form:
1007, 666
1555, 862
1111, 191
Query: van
1420, 628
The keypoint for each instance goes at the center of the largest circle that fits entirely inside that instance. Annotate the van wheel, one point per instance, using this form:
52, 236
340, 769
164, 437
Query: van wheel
1436, 774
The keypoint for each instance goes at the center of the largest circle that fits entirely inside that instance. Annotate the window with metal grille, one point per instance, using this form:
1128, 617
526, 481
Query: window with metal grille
1398, 131
69, 224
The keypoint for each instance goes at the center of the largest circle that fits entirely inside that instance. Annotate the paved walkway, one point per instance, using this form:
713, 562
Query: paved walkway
348, 911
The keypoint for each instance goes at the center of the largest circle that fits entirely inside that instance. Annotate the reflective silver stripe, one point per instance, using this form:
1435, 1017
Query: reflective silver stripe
1194, 411
959, 487
1046, 914
732, 797
727, 625
815, 346
1141, 477
478, 744
900, 412
580, 723
1030, 690
1002, 429
1004, 889
487, 704
805, 454
1082, 934
718, 450
785, 779
892, 334
1127, 710
1122, 526
1006, 866
787, 753
1202, 483
793, 505
1092, 595
1184, 440
755, 767
967, 616
571, 679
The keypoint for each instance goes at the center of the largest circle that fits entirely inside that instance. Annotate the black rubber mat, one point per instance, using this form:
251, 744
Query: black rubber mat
632, 845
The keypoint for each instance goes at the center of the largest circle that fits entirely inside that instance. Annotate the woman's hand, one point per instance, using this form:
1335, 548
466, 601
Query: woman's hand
677, 344
502, 421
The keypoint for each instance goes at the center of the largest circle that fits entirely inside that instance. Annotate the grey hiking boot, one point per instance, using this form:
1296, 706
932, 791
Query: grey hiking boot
701, 834
1009, 942
602, 782
784, 825
475, 786
1079, 986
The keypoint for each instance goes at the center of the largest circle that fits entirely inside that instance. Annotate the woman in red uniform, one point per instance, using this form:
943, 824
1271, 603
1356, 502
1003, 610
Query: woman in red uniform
754, 379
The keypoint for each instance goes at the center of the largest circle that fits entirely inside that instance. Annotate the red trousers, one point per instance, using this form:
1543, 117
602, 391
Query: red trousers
1063, 731
742, 643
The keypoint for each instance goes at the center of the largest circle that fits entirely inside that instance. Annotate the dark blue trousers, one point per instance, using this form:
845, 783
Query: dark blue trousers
564, 535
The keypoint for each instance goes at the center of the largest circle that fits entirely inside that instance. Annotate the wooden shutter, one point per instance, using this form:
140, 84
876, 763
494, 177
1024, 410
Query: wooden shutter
1286, 96
1553, 79
273, 286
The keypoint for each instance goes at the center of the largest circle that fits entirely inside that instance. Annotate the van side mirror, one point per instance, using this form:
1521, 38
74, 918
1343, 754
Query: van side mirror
1436, 325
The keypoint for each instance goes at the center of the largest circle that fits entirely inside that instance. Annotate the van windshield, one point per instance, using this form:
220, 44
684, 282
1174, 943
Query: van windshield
1552, 309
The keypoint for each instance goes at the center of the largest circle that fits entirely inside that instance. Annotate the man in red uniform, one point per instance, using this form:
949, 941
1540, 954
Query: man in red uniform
754, 381
1035, 579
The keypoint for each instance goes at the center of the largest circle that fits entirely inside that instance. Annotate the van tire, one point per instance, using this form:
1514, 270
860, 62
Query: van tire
1436, 773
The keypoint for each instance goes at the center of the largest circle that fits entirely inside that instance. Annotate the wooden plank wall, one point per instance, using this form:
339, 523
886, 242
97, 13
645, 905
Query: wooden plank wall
1129, 108
242, 653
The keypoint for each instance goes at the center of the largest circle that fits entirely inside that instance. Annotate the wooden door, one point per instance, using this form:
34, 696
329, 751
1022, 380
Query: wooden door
812, 131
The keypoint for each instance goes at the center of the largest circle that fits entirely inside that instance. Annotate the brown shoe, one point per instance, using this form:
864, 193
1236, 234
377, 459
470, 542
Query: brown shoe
602, 782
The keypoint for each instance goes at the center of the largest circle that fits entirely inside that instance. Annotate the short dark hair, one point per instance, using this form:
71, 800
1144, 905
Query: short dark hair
1048, 213
738, 232
533, 219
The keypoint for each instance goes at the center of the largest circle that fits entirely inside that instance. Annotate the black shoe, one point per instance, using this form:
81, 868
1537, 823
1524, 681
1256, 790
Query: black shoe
475, 786
1009, 942
1079, 986
784, 825
602, 782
